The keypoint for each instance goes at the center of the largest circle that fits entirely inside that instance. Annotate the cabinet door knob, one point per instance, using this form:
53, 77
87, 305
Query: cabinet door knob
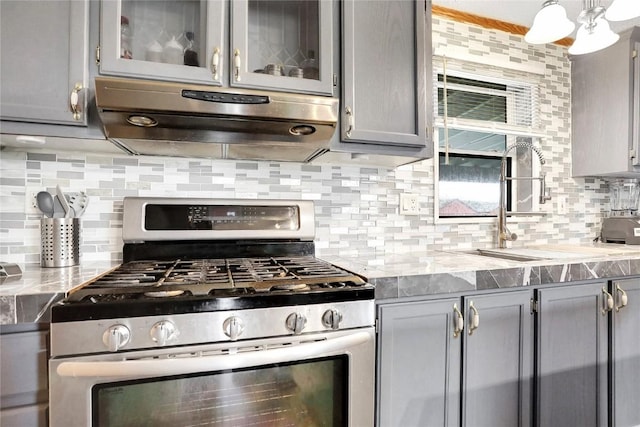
73, 101
607, 302
623, 297
458, 321
215, 63
474, 319
236, 64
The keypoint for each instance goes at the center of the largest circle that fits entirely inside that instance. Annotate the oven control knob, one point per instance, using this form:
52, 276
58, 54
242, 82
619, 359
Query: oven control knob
163, 332
332, 318
233, 327
296, 322
116, 337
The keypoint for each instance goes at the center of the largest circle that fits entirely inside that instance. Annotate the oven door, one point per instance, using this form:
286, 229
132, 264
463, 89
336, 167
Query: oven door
324, 379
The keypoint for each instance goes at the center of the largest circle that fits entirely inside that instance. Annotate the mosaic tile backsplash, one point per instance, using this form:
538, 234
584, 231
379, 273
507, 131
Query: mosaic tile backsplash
356, 207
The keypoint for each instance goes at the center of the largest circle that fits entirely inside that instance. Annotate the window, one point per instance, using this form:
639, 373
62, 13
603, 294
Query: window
480, 115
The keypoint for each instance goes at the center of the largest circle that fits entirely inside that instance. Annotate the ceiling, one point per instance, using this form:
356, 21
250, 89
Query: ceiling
522, 12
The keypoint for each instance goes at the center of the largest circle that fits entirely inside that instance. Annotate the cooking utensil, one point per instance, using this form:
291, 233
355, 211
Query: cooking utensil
58, 210
45, 203
63, 201
78, 202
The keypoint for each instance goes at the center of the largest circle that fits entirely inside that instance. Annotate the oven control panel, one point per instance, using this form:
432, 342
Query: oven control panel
148, 332
148, 219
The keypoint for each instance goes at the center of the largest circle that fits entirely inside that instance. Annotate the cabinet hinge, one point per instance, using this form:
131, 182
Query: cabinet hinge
534, 306
632, 154
335, 80
634, 53
376, 325
98, 55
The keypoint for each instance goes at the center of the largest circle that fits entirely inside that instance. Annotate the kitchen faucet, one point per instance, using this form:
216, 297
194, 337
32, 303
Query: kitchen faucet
504, 234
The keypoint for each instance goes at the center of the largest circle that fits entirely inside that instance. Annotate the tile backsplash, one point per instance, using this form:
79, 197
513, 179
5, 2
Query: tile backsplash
356, 207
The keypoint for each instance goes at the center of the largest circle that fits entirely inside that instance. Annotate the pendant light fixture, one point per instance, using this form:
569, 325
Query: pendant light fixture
621, 10
594, 33
550, 24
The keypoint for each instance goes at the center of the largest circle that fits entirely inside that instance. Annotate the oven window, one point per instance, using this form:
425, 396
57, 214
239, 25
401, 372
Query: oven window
309, 393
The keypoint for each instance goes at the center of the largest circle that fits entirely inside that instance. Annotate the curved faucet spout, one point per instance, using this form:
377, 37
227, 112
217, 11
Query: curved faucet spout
504, 235
524, 144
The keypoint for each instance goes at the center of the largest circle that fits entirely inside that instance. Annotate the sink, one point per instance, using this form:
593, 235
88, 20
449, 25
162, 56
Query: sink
523, 254
505, 254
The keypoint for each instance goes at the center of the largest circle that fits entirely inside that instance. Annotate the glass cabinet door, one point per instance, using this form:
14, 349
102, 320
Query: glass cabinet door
282, 45
167, 40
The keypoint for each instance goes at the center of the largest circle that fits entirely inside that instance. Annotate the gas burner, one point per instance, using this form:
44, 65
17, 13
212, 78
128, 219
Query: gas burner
163, 294
290, 287
333, 285
219, 278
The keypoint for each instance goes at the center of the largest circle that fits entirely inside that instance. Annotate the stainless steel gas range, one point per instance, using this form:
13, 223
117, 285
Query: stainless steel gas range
219, 315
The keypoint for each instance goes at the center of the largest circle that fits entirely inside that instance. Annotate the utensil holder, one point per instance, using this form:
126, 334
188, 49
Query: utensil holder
60, 246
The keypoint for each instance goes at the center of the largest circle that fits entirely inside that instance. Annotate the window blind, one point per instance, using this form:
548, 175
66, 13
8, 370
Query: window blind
482, 98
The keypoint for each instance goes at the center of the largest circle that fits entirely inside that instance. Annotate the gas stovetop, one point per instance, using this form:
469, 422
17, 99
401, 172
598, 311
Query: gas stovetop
206, 255
149, 287
148, 279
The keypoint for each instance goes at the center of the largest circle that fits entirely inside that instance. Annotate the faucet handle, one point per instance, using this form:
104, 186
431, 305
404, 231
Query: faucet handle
545, 193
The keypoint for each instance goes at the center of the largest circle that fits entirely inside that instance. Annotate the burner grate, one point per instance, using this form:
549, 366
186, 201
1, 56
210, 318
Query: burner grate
217, 277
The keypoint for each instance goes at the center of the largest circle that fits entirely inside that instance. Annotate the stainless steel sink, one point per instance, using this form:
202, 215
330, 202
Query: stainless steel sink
510, 255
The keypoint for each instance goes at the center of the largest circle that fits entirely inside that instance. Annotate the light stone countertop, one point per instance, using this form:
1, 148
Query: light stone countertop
28, 299
441, 272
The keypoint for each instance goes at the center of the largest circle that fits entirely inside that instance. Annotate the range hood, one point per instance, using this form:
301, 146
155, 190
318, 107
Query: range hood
156, 118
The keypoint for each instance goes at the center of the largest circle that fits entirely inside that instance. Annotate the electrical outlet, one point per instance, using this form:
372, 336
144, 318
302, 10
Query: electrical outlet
30, 202
562, 205
409, 204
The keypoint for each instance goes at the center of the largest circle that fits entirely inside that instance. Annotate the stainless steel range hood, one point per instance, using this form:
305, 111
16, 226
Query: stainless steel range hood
173, 119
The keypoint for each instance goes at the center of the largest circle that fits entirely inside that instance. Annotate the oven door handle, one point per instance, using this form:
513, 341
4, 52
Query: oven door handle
185, 365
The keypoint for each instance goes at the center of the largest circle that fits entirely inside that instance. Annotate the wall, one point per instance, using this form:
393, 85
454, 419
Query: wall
356, 207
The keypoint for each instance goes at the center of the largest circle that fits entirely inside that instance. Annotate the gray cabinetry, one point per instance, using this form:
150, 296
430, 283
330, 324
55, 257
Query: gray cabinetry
572, 359
386, 56
23, 375
152, 26
625, 353
497, 361
278, 45
418, 364
44, 56
605, 109
430, 350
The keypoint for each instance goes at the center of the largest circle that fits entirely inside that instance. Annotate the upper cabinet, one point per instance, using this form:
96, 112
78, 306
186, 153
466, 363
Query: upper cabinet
278, 45
605, 110
386, 59
44, 64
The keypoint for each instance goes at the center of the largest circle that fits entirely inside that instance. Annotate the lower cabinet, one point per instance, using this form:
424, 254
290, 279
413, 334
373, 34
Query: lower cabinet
428, 351
572, 355
625, 353
23, 376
